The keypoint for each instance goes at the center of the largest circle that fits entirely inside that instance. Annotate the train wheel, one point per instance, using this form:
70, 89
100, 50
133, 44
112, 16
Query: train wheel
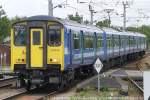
37, 86
28, 85
61, 84
22, 81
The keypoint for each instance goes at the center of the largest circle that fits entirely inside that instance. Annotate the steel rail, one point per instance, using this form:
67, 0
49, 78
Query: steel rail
139, 87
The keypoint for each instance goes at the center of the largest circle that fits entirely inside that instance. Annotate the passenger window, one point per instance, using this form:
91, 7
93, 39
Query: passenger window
134, 41
36, 38
129, 41
76, 39
122, 41
108, 42
86, 40
91, 41
54, 35
99, 41
116, 41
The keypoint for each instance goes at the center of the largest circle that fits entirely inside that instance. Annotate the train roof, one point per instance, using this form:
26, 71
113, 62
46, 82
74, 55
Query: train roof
135, 34
78, 27
125, 33
65, 22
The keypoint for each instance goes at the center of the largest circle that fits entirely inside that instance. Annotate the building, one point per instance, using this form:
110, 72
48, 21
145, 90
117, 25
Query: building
4, 55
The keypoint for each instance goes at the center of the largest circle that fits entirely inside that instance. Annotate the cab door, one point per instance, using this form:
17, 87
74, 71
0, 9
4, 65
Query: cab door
36, 47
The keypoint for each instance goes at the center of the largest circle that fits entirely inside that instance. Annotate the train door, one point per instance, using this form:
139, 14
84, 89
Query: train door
36, 47
70, 39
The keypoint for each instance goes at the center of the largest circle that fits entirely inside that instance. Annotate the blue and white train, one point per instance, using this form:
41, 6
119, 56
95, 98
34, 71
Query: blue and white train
46, 49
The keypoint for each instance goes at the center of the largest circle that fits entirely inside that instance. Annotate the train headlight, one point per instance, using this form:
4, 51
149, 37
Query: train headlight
54, 60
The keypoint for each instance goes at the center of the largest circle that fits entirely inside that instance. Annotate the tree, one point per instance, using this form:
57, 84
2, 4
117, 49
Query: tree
76, 18
4, 28
16, 18
104, 23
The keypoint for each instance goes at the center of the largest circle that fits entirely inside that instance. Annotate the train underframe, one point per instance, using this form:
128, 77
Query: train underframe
37, 77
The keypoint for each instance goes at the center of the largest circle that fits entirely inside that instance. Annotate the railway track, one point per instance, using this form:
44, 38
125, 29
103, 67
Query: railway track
37, 94
6, 81
77, 85
45, 92
12, 93
34, 94
8, 87
23, 94
138, 82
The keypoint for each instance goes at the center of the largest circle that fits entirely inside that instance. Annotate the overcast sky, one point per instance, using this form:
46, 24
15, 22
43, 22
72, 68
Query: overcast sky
137, 14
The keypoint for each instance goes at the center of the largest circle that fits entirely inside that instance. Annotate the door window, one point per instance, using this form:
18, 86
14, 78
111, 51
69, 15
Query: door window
36, 38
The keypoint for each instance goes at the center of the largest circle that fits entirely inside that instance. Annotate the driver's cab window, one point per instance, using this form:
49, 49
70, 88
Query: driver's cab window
54, 35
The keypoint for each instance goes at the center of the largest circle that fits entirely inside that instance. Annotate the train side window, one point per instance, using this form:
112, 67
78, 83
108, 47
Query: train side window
76, 40
121, 42
112, 41
20, 35
140, 40
132, 41
99, 41
86, 40
116, 41
54, 35
91, 40
129, 41
109, 44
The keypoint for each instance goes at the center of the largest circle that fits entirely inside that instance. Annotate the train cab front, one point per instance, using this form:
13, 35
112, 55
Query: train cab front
37, 50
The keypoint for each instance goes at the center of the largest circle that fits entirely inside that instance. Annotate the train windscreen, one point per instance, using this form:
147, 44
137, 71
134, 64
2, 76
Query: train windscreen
20, 35
54, 35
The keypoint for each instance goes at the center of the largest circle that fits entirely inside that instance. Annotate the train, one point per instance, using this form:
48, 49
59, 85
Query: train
47, 49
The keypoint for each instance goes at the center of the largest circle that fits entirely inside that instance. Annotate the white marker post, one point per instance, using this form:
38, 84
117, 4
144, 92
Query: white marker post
98, 66
146, 85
